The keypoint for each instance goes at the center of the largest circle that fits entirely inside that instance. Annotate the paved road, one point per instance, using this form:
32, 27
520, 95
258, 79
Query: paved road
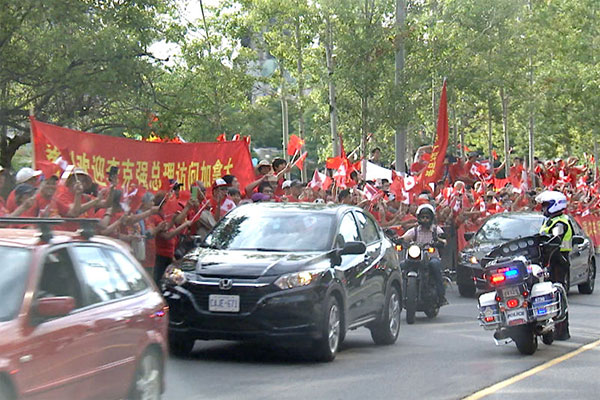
449, 357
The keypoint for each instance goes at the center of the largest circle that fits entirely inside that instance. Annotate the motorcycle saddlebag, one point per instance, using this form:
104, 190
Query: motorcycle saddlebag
489, 315
544, 301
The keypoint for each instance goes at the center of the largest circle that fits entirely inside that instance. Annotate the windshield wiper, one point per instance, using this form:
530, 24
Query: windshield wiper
262, 249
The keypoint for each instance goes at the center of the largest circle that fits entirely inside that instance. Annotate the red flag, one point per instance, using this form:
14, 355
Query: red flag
494, 154
294, 145
317, 180
397, 187
370, 191
300, 161
333, 162
247, 139
467, 150
221, 138
434, 170
236, 137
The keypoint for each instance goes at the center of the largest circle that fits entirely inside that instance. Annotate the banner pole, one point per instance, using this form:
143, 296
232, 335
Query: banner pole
31, 117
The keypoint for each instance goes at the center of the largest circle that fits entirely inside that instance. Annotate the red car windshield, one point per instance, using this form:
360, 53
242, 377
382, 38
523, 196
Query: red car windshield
13, 278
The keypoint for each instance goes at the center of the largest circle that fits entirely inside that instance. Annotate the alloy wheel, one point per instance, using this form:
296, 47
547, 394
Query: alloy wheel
334, 328
394, 313
147, 383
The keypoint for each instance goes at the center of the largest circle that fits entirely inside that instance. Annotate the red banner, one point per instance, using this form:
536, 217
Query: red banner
435, 168
146, 164
591, 225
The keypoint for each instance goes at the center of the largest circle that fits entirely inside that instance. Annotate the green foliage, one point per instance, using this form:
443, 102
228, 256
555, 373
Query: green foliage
86, 64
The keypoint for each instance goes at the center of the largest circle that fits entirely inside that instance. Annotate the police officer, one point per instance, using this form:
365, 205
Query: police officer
558, 225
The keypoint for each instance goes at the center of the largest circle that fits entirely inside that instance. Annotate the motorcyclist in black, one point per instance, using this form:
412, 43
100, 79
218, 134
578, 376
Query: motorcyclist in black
427, 233
558, 225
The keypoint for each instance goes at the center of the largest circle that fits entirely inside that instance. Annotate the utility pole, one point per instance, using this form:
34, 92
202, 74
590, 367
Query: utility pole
400, 137
284, 115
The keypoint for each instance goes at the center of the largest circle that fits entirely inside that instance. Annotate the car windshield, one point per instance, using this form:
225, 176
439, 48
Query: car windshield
13, 279
502, 228
267, 230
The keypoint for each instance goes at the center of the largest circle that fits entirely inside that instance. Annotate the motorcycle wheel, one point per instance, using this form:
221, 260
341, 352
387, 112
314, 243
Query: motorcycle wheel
411, 300
432, 312
526, 340
548, 338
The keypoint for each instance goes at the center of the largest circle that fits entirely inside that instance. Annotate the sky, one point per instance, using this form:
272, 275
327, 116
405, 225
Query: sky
191, 12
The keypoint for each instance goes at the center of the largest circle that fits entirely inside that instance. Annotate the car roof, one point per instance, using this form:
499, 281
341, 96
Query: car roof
30, 238
323, 208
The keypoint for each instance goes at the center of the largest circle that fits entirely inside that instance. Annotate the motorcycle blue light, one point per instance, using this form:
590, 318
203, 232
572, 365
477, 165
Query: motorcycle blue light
511, 273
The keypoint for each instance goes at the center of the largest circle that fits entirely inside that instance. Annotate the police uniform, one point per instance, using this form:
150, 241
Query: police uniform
559, 261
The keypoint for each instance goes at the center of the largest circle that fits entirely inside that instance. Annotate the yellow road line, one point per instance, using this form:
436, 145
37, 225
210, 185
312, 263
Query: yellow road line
501, 385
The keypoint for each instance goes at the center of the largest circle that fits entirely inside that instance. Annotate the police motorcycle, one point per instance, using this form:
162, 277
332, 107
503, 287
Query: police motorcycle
523, 304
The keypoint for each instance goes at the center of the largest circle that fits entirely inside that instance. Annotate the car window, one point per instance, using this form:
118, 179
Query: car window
501, 228
59, 278
348, 231
368, 229
128, 272
13, 280
99, 275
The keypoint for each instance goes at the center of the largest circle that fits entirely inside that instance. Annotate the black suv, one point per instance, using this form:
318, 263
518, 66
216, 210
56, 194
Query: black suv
279, 271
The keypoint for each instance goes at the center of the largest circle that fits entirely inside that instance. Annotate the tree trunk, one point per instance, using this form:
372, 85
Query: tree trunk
400, 136
335, 139
300, 71
504, 98
490, 133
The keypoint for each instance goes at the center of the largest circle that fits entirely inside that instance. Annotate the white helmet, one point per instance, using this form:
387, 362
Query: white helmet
426, 207
552, 202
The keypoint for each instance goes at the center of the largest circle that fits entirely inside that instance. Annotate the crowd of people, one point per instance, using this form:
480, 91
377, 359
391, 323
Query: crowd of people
156, 224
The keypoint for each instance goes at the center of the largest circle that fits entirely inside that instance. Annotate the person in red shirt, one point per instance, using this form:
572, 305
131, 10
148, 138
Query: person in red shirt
166, 233
47, 204
25, 175
80, 204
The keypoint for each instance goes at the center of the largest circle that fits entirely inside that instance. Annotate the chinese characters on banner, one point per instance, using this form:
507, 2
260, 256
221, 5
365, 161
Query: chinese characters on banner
145, 164
591, 226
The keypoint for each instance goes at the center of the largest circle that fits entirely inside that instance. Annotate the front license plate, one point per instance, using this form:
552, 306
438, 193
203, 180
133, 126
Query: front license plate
510, 292
223, 303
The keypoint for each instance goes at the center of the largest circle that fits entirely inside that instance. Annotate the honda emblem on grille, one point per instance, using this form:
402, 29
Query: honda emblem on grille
225, 284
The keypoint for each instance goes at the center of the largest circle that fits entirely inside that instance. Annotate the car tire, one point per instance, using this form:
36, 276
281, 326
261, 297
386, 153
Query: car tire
385, 331
147, 383
180, 346
6, 392
325, 349
588, 286
411, 300
466, 286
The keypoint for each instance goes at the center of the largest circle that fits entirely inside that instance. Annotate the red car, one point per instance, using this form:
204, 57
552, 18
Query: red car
79, 319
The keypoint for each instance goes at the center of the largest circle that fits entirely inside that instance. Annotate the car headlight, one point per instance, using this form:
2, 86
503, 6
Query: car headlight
297, 279
473, 260
414, 251
175, 276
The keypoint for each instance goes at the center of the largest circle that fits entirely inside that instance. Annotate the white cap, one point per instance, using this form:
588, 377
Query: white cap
286, 184
26, 174
220, 183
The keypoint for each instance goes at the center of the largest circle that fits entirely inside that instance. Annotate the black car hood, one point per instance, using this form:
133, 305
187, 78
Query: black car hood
253, 264
479, 250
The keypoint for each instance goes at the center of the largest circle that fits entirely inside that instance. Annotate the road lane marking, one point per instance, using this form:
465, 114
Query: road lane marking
501, 385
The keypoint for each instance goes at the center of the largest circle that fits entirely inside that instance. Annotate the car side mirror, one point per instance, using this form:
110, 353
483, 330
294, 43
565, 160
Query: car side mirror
353, 248
577, 240
469, 235
51, 307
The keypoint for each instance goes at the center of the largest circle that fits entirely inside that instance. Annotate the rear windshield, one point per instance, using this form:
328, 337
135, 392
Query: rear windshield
507, 227
15, 266
266, 230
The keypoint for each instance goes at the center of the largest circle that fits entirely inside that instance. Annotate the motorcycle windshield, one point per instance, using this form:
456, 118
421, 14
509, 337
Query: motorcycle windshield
528, 247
